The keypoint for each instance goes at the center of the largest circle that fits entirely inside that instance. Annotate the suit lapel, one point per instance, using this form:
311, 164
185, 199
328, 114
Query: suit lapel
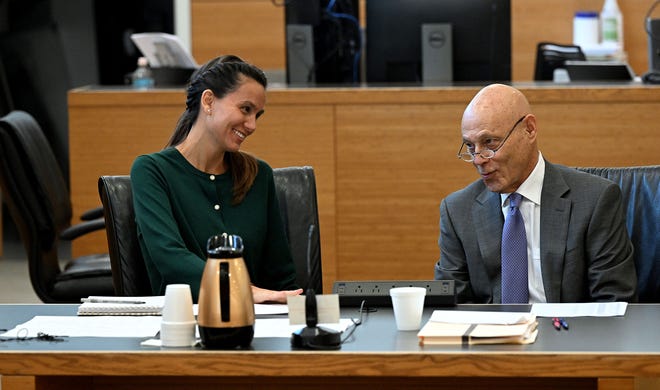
489, 220
555, 216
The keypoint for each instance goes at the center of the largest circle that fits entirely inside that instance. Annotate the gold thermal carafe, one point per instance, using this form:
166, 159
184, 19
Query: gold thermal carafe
226, 308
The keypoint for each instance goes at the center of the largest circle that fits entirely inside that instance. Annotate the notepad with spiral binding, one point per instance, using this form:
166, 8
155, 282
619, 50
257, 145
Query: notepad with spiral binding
122, 306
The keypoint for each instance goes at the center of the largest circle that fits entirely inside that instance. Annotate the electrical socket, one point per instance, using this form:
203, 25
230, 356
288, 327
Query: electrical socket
377, 292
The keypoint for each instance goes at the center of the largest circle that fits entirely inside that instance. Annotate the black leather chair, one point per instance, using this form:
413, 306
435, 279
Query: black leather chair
550, 56
38, 201
129, 274
641, 198
296, 191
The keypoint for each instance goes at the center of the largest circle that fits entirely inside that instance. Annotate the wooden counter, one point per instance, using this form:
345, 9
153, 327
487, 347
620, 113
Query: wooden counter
384, 157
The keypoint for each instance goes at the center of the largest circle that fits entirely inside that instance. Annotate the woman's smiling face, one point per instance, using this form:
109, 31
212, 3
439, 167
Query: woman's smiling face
234, 117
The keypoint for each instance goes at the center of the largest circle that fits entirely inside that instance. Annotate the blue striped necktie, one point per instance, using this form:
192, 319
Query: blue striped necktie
514, 255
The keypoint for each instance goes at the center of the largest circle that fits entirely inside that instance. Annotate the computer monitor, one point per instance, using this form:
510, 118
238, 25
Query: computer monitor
400, 33
323, 41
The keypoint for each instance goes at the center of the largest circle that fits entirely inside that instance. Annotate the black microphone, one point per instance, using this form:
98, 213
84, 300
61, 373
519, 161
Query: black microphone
310, 234
311, 310
313, 336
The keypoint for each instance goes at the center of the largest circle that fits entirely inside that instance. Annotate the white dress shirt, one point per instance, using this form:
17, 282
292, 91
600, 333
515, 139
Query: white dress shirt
530, 208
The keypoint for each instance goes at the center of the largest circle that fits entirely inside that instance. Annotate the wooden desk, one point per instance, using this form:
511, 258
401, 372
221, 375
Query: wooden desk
596, 353
384, 157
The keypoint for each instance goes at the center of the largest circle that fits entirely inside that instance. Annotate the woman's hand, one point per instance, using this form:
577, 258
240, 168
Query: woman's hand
261, 295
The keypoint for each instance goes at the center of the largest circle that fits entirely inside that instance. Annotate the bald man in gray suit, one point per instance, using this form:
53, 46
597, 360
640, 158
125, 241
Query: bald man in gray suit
577, 244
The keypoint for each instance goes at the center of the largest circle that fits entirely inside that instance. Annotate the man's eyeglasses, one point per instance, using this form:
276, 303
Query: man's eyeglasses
469, 156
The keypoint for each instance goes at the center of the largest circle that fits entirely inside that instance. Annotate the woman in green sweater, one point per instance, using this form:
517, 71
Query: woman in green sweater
201, 185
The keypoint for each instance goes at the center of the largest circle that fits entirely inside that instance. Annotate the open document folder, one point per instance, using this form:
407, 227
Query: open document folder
448, 327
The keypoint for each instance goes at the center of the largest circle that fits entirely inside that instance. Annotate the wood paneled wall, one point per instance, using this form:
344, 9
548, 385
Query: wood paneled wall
534, 21
384, 157
254, 29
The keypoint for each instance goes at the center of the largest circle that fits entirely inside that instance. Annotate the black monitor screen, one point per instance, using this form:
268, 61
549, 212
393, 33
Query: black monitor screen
328, 51
480, 31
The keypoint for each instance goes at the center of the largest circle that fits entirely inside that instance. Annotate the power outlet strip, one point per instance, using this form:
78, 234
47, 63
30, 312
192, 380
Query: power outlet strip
377, 292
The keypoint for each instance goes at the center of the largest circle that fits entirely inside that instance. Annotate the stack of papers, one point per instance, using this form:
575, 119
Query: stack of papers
164, 50
449, 327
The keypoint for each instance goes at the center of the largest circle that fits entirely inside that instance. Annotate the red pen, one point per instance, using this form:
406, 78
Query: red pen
556, 323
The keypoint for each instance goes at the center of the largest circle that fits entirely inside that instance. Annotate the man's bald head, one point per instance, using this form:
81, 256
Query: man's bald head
497, 114
496, 104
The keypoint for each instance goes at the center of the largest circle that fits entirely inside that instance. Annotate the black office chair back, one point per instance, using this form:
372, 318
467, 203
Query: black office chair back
6, 101
640, 187
296, 192
38, 200
550, 56
129, 273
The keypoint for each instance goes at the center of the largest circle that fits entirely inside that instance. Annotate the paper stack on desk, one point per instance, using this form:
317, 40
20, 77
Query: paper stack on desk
122, 306
449, 327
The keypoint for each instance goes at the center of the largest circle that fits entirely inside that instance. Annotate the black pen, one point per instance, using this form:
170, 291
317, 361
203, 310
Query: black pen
119, 301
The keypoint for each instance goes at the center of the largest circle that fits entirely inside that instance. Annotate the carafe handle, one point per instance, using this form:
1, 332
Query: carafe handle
225, 292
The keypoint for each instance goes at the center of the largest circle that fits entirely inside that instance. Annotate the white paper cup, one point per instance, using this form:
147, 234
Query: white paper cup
408, 305
177, 334
177, 328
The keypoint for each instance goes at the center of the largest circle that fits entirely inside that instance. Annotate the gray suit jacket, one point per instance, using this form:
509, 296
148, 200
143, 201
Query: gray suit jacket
586, 254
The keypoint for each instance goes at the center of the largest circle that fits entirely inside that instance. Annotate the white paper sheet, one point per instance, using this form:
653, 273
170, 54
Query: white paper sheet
163, 49
587, 309
88, 326
142, 326
327, 308
480, 317
268, 309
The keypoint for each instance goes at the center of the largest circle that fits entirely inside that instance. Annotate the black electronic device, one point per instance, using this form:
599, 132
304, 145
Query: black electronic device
323, 41
653, 32
313, 336
598, 71
651, 77
171, 77
480, 34
376, 293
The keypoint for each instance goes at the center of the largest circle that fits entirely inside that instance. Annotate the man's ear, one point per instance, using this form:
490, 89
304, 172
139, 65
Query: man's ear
530, 126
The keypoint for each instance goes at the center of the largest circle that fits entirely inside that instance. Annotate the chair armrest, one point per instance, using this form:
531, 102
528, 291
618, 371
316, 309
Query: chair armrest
77, 230
91, 214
